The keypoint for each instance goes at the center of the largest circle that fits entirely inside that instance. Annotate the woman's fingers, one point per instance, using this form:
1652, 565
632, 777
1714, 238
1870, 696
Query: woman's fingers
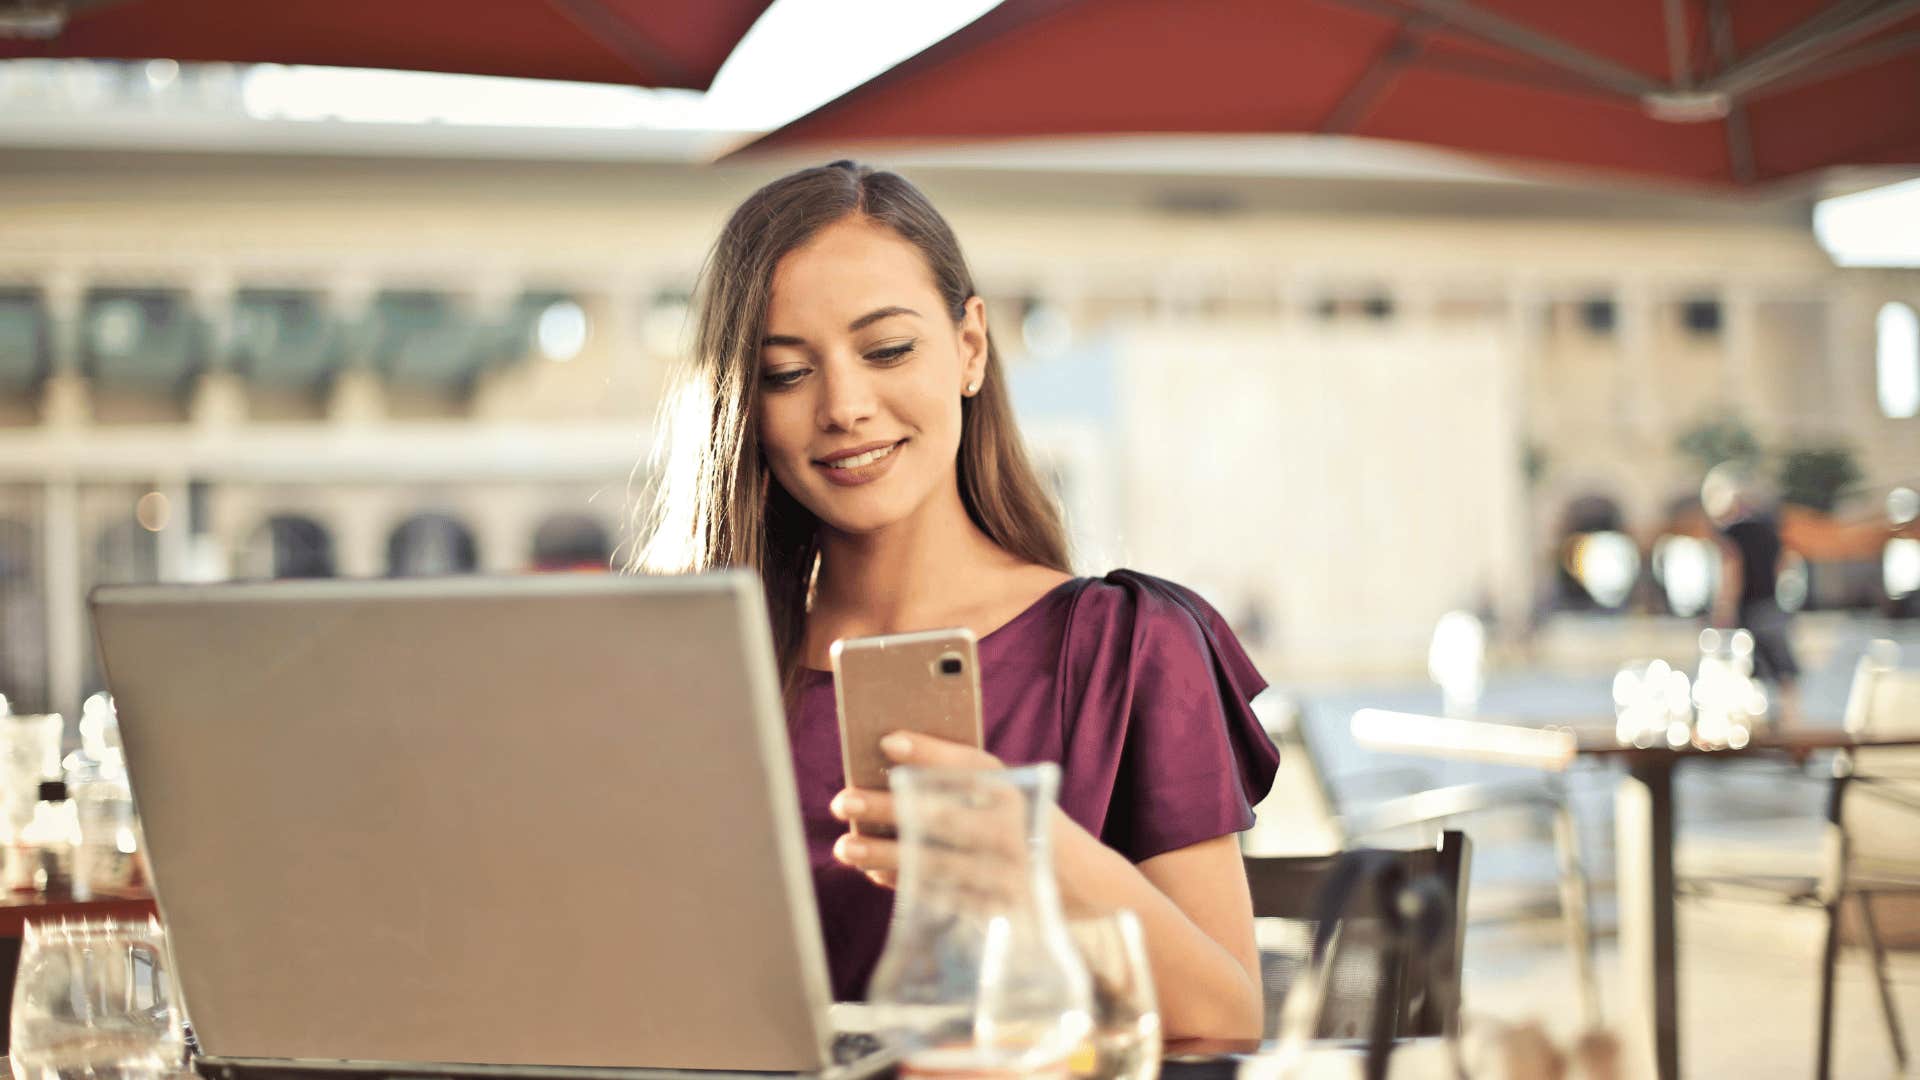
863, 806
914, 748
869, 854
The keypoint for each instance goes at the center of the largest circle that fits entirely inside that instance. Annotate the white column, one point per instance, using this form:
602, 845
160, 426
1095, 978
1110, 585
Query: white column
1515, 574
502, 532
357, 396
1416, 303
361, 522
1173, 295
219, 394
174, 542
486, 304
1300, 292
1739, 342
1850, 361
65, 401
1638, 405
489, 298
617, 330
66, 623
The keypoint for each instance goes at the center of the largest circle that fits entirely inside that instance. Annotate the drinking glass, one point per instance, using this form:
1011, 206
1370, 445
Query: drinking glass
1125, 1044
95, 1001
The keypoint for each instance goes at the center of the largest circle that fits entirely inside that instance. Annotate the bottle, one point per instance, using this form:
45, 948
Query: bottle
51, 835
106, 860
979, 976
29, 755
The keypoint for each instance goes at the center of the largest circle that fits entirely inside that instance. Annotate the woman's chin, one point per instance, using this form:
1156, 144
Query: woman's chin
858, 514
859, 524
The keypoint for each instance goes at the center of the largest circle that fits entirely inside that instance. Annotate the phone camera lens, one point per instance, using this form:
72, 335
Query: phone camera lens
950, 665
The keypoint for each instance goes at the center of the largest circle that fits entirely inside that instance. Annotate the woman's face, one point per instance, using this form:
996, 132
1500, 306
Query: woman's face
861, 374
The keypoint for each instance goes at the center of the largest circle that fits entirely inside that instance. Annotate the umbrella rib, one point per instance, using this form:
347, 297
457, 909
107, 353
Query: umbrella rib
1394, 10
1841, 63
625, 41
1487, 26
1739, 138
1386, 66
1676, 15
1814, 39
1484, 68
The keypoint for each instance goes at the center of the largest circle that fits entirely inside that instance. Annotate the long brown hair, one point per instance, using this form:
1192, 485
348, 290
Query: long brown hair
713, 501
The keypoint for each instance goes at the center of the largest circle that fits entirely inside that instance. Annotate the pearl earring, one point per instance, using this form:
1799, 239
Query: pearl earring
973, 387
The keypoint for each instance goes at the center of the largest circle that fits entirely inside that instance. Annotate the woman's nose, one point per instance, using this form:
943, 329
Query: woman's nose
847, 397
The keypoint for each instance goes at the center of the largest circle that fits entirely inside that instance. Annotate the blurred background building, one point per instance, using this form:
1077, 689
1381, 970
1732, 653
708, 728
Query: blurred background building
1341, 390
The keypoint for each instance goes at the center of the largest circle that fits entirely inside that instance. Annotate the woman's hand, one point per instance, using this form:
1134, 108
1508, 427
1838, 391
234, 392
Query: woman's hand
879, 857
876, 856
1192, 902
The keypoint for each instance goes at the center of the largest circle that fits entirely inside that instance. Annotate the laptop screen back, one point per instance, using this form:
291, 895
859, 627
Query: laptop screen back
540, 821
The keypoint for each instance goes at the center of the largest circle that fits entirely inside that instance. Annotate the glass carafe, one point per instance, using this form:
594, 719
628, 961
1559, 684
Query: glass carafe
979, 975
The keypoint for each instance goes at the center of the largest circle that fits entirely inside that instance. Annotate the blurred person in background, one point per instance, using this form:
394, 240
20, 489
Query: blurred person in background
844, 430
1748, 534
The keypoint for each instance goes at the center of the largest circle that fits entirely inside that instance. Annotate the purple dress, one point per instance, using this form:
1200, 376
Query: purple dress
1133, 685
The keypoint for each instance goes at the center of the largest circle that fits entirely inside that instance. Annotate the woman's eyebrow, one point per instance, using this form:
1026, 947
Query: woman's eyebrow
877, 314
858, 324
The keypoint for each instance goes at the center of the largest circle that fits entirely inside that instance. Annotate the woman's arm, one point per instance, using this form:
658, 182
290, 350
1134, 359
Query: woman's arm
1192, 902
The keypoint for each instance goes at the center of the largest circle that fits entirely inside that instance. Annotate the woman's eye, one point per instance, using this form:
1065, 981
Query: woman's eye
780, 380
891, 353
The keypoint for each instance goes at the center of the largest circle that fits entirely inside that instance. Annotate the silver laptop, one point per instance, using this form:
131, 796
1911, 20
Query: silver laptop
498, 823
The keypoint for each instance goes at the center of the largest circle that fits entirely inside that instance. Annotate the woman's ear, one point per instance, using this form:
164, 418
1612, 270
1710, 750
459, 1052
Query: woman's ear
973, 345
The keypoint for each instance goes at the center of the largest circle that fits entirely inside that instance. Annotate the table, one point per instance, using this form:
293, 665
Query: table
1643, 820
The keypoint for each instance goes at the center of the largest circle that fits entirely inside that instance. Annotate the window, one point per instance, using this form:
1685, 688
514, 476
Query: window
571, 542
429, 545
288, 546
1598, 316
1898, 361
1701, 317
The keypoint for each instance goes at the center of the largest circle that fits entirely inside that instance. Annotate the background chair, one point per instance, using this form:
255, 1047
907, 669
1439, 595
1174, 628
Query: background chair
1302, 816
1874, 815
1868, 850
1285, 888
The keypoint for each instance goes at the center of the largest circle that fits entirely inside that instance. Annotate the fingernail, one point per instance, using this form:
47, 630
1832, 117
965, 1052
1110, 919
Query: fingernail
851, 849
897, 744
849, 805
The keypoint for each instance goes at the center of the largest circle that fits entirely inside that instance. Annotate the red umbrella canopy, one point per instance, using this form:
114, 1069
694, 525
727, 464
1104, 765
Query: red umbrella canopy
1718, 91
671, 43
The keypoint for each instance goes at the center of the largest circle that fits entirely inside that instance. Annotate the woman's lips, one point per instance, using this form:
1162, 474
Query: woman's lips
872, 467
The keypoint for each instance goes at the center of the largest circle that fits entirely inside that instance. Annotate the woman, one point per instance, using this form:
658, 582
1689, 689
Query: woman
844, 431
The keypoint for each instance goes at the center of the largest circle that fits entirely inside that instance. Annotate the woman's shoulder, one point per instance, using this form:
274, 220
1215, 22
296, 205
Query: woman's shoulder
1144, 601
1140, 617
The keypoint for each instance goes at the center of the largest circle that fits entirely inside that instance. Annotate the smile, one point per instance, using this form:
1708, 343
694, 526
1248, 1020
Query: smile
858, 460
863, 466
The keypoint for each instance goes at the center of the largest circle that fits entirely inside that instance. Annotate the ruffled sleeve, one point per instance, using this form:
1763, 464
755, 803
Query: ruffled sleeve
1161, 745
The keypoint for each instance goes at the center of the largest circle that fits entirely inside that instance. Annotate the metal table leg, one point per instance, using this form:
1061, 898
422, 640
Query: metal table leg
1644, 843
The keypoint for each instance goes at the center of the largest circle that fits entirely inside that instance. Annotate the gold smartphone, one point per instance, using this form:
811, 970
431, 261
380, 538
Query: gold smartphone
927, 681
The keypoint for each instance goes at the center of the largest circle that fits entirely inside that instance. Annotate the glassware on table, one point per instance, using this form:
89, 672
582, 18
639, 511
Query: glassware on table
1125, 1044
106, 858
979, 976
29, 756
1728, 702
1652, 705
95, 1001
